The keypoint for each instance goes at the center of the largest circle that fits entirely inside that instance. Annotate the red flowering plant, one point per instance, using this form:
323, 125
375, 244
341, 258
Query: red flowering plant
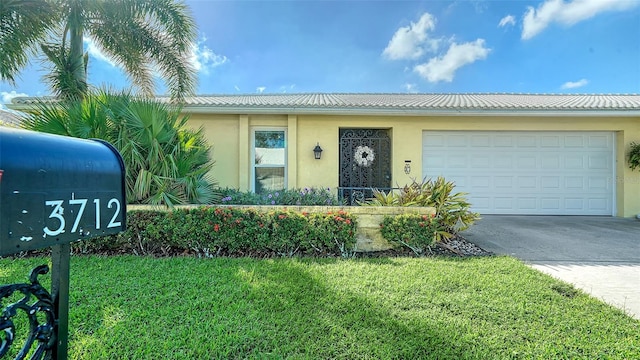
333, 232
288, 232
415, 231
213, 231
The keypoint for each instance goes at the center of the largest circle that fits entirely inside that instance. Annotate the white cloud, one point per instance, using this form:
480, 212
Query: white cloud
95, 52
575, 84
568, 13
410, 88
284, 88
507, 20
261, 89
443, 68
7, 96
411, 42
203, 58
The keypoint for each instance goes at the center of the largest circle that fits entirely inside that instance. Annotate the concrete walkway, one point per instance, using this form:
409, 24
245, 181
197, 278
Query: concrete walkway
600, 255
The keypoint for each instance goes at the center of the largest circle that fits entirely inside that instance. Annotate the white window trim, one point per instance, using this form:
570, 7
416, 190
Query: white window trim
253, 153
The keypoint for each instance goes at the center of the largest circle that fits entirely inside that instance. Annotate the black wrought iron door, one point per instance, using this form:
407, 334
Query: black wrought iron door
365, 163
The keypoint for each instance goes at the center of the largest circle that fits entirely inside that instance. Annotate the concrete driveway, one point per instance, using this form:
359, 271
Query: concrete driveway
600, 255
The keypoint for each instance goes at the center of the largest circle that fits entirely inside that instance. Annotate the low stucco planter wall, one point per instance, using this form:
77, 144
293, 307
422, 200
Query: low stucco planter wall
368, 218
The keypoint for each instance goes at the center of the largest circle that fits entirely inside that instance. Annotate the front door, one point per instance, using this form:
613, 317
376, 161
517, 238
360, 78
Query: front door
365, 163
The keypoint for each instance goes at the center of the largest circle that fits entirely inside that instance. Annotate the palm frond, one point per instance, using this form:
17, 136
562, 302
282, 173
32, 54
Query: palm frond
24, 24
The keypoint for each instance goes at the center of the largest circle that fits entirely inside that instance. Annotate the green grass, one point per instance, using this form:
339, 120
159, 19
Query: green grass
390, 308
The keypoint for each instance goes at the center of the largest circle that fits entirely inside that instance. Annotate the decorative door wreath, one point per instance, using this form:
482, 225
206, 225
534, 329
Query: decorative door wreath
364, 156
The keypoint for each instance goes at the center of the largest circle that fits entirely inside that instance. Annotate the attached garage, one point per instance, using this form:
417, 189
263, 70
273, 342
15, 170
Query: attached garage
526, 172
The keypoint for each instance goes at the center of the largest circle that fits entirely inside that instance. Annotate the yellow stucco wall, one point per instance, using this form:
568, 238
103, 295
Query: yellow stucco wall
230, 137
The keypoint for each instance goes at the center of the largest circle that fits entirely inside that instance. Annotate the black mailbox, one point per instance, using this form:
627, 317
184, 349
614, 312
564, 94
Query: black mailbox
56, 189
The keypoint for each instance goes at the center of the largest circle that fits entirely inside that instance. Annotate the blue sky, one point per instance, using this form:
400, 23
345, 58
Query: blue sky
535, 46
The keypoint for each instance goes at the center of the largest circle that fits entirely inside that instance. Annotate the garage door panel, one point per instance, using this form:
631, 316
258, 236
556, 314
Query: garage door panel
526, 172
574, 182
599, 142
598, 161
550, 183
571, 141
481, 161
503, 141
599, 184
457, 162
549, 161
526, 162
505, 162
480, 141
575, 204
504, 203
575, 162
457, 141
525, 203
550, 141
505, 182
527, 141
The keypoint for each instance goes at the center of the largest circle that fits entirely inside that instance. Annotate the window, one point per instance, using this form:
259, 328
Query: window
269, 165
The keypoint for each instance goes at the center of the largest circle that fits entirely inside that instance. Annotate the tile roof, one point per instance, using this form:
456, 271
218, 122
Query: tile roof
404, 103
10, 117
418, 102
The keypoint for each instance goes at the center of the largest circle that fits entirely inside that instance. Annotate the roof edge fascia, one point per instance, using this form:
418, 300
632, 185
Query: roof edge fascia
200, 109
406, 112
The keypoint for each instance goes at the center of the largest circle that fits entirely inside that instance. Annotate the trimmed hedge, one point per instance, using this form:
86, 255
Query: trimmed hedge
227, 231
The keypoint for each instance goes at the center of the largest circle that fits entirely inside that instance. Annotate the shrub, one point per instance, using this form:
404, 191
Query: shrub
332, 232
216, 231
634, 156
306, 197
415, 231
289, 231
142, 237
452, 209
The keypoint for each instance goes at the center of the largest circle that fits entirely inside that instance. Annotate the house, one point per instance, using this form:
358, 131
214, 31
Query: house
512, 153
11, 118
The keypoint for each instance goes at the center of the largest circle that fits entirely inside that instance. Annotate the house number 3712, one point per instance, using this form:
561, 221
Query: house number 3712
58, 214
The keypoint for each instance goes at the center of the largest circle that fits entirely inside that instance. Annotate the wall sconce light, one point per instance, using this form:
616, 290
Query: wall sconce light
317, 152
407, 167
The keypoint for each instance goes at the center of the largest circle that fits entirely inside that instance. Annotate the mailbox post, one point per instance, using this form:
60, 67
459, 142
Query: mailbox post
54, 190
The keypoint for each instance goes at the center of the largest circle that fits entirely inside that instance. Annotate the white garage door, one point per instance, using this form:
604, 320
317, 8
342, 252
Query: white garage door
544, 173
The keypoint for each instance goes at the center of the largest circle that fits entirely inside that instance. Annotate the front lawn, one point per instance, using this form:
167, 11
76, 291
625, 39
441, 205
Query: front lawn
127, 307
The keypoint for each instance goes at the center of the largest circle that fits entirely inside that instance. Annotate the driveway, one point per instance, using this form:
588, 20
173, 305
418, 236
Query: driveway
600, 255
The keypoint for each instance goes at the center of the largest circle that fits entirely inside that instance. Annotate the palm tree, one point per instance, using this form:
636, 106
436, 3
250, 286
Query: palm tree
144, 37
166, 162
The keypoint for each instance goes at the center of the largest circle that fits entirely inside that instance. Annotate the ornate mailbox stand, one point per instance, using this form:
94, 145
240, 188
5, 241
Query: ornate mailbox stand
54, 190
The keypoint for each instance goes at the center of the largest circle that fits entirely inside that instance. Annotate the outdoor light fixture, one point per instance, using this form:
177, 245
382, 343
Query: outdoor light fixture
407, 167
317, 151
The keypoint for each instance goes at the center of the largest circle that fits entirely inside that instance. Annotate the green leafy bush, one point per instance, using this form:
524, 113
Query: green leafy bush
452, 209
634, 156
330, 232
289, 231
305, 197
218, 231
415, 231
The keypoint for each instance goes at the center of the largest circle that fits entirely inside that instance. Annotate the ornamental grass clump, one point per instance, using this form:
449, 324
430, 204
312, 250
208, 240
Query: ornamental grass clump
415, 231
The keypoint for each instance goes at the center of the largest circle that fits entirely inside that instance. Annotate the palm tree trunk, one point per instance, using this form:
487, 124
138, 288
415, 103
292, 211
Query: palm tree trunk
76, 59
